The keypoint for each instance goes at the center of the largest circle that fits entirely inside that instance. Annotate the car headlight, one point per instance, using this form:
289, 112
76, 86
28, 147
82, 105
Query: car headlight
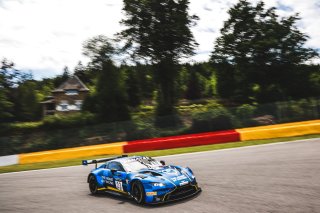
189, 172
158, 184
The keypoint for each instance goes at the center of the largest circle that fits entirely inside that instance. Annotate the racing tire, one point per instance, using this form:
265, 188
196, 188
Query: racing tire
93, 185
137, 192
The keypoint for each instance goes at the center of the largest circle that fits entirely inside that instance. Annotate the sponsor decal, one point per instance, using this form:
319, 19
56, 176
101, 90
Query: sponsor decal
183, 183
108, 180
151, 193
181, 177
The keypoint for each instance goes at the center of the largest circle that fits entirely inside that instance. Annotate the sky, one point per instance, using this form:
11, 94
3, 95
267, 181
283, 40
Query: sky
44, 36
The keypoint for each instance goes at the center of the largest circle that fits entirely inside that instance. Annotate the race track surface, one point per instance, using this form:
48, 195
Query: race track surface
283, 177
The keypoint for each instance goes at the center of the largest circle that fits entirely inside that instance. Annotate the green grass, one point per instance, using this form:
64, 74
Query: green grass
73, 162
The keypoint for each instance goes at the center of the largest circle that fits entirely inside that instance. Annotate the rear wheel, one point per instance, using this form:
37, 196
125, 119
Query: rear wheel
93, 185
137, 192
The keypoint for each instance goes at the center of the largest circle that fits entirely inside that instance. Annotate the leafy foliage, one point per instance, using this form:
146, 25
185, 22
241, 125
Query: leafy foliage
111, 97
73, 120
10, 79
109, 101
28, 105
258, 54
159, 32
215, 117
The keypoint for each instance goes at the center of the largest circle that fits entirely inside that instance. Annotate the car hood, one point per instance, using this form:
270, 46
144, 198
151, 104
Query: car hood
172, 174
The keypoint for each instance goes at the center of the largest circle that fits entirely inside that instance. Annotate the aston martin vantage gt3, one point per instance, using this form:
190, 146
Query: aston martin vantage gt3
144, 179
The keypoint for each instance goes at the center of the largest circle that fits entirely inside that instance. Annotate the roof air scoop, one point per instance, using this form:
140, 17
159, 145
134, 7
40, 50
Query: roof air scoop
151, 173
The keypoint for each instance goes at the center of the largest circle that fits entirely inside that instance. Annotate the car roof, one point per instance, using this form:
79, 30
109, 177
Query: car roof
125, 159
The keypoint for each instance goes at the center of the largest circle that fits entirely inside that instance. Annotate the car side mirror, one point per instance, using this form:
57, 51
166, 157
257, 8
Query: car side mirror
163, 162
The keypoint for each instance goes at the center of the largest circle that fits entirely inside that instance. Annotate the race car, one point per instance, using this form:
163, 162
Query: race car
141, 178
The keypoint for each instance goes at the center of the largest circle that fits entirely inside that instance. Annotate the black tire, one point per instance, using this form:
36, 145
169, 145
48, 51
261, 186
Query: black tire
93, 185
137, 192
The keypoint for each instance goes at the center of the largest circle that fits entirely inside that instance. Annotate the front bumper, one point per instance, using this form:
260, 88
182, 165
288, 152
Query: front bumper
178, 193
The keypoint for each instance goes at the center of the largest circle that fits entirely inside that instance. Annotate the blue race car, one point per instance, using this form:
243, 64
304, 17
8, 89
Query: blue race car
144, 179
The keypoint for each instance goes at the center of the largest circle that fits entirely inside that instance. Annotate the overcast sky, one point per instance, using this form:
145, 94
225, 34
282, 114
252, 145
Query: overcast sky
45, 35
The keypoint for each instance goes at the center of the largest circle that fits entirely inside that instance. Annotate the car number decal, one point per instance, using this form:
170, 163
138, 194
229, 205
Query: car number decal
119, 185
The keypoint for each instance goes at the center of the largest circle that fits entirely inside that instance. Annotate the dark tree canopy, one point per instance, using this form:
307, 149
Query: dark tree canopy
58, 80
99, 49
109, 100
111, 95
259, 53
28, 107
19, 97
158, 29
6, 105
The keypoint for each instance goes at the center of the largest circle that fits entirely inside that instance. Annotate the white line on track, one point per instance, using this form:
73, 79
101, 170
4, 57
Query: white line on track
184, 154
38, 170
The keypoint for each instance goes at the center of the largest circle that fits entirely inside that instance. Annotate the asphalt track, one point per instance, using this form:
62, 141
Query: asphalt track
282, 177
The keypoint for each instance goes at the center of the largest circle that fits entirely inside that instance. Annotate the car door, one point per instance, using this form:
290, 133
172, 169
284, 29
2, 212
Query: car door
107, 177
119, 176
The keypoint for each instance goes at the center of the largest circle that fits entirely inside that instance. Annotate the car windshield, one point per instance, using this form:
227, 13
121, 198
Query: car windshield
139, 163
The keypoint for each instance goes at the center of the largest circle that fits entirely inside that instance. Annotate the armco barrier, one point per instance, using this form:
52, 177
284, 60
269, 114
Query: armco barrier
182, 141
9, 160
280, 130
69, 153
254, 133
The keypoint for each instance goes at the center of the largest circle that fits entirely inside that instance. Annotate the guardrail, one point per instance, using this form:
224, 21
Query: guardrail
71, 153
237, 135
182, 141
280, 130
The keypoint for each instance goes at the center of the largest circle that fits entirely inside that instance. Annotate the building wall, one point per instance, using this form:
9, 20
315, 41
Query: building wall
68, 103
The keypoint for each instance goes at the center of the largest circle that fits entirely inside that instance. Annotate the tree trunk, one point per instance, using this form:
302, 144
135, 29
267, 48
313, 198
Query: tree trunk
165, 75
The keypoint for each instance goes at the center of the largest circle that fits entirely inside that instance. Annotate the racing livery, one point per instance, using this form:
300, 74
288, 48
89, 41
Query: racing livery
144, 179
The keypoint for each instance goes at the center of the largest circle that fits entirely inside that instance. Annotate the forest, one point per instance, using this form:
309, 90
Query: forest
260, 72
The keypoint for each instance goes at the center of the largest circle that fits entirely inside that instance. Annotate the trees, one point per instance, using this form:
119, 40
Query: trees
109, 101
18, 95
10, 79
5, 106
201, 80
159, 32
28, 106
111, 94
82, 73
57, 81
193, 86
133, 87
258, 54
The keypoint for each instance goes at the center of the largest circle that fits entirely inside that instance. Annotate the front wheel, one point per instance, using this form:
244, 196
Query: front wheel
93, 185
137, 192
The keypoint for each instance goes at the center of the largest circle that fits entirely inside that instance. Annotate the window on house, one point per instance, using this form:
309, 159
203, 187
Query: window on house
72, 92
64, 106
78, 104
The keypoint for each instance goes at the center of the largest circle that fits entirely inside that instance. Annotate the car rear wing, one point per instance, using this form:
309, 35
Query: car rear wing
86, 162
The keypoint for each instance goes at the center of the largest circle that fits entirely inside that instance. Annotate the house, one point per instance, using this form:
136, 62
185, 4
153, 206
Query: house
67, 98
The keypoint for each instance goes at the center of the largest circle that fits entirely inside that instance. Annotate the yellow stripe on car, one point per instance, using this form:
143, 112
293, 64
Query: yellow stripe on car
115, 190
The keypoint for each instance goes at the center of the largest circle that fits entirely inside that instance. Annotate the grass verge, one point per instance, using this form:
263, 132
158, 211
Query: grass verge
73, 162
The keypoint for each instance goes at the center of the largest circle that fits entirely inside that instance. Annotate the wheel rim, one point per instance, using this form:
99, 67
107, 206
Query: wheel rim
136, 192
92, 185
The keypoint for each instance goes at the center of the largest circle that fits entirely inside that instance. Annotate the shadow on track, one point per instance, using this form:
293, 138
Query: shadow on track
124, 200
